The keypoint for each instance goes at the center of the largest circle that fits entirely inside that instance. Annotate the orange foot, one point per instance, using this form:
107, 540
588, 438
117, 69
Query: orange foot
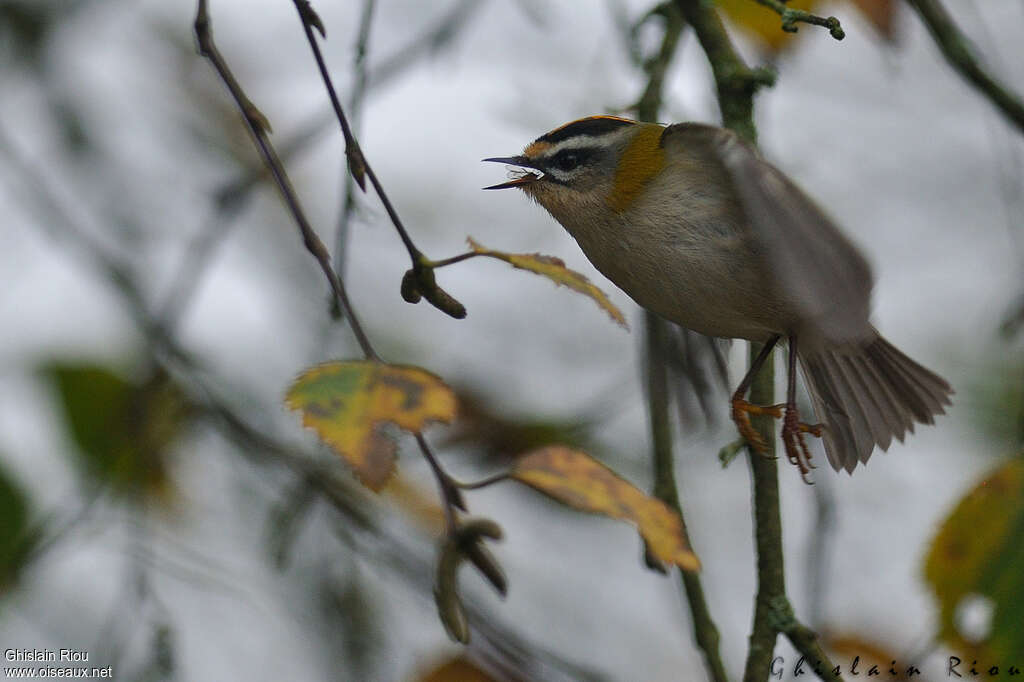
741, 411
793, 431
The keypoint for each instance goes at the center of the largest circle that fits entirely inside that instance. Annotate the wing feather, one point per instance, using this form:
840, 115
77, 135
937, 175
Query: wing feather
813, 264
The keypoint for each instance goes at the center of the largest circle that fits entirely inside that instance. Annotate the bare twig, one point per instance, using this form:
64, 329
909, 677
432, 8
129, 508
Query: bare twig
791, 17
360, 169
957, 50
258, 127
355, 105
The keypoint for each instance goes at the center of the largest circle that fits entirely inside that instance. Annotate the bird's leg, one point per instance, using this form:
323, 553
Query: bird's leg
741, 409
793, 429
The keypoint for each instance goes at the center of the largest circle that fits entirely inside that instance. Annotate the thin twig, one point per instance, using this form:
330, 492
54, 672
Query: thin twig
705, 631
360, 169
451, 497
355, 105
791, 17
357, 162
737, 84
665, 489
258, 127
957, 50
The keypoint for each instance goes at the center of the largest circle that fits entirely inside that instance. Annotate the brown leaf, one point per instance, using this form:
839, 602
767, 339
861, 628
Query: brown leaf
348, 404
578, 480
881, 14
555, 270
458, 669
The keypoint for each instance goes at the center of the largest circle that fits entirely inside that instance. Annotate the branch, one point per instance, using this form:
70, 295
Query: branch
258, 128
737, 84
957, 50
355, 104
791, 17
735, 81
360, 169
665, 489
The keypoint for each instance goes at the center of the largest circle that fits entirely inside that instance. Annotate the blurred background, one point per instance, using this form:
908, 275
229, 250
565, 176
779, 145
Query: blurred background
159, 507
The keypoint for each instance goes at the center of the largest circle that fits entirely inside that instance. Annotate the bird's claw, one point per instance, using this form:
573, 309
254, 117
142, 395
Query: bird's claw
793, 431
741, 411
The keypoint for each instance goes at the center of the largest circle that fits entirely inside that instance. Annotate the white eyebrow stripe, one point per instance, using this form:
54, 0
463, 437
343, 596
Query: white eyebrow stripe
577, 142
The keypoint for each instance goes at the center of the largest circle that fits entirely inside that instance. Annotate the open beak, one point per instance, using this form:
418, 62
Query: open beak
525, 179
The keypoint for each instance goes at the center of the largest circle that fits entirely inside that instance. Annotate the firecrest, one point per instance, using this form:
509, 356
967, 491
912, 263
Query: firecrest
692, 224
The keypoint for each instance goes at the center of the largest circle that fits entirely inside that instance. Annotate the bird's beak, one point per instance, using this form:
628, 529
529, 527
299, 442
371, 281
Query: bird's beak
526, 178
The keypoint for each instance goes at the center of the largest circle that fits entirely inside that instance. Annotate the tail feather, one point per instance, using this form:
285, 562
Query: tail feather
865, 398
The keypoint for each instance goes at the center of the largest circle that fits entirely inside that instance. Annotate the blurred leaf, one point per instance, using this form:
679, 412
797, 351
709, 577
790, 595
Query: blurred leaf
14, 527
457, 669
762, 22
980, 551
122, 429
867, 653
419, 504
490, 433
997, 394
349, 403
881, 14
766, 25
576, 479
555, 270
351, 621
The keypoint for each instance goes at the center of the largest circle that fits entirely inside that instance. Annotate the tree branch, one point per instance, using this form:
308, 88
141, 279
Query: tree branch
665, 489
258, 127
737, 84
360, 169
957, 50
791, 17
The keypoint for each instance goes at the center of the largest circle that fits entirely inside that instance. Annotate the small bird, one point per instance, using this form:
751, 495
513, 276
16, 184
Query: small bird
694, 226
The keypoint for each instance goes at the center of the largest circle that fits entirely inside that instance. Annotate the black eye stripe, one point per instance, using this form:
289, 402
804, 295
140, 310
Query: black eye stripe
573, 157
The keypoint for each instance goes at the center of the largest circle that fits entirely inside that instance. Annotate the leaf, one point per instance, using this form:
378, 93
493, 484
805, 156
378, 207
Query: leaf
979, 553
866, 652
762, 22
881, 14
458, 669
14, 526
123, 428
765, 24
578, 480
349, 403
555, 270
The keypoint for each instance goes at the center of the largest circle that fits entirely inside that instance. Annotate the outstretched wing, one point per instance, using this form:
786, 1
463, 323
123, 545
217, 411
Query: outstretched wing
812, 263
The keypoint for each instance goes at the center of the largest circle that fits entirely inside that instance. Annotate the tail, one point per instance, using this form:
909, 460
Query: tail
866, 397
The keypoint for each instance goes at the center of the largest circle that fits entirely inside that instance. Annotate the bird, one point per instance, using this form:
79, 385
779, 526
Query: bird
695, 226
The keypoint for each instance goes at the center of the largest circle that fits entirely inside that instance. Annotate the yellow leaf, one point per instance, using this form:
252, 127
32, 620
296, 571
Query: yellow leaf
555, 270
348, 404
578, 480
458, 669
762, 22
979, 552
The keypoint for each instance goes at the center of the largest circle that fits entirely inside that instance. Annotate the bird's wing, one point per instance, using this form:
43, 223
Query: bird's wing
813, 264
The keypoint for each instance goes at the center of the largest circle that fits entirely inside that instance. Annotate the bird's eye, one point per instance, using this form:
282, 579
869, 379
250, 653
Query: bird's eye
566, 160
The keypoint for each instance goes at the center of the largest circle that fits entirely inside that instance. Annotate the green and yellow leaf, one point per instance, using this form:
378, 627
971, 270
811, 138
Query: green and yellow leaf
555, 270
348, 404
123, 427
979, 550
576, 479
